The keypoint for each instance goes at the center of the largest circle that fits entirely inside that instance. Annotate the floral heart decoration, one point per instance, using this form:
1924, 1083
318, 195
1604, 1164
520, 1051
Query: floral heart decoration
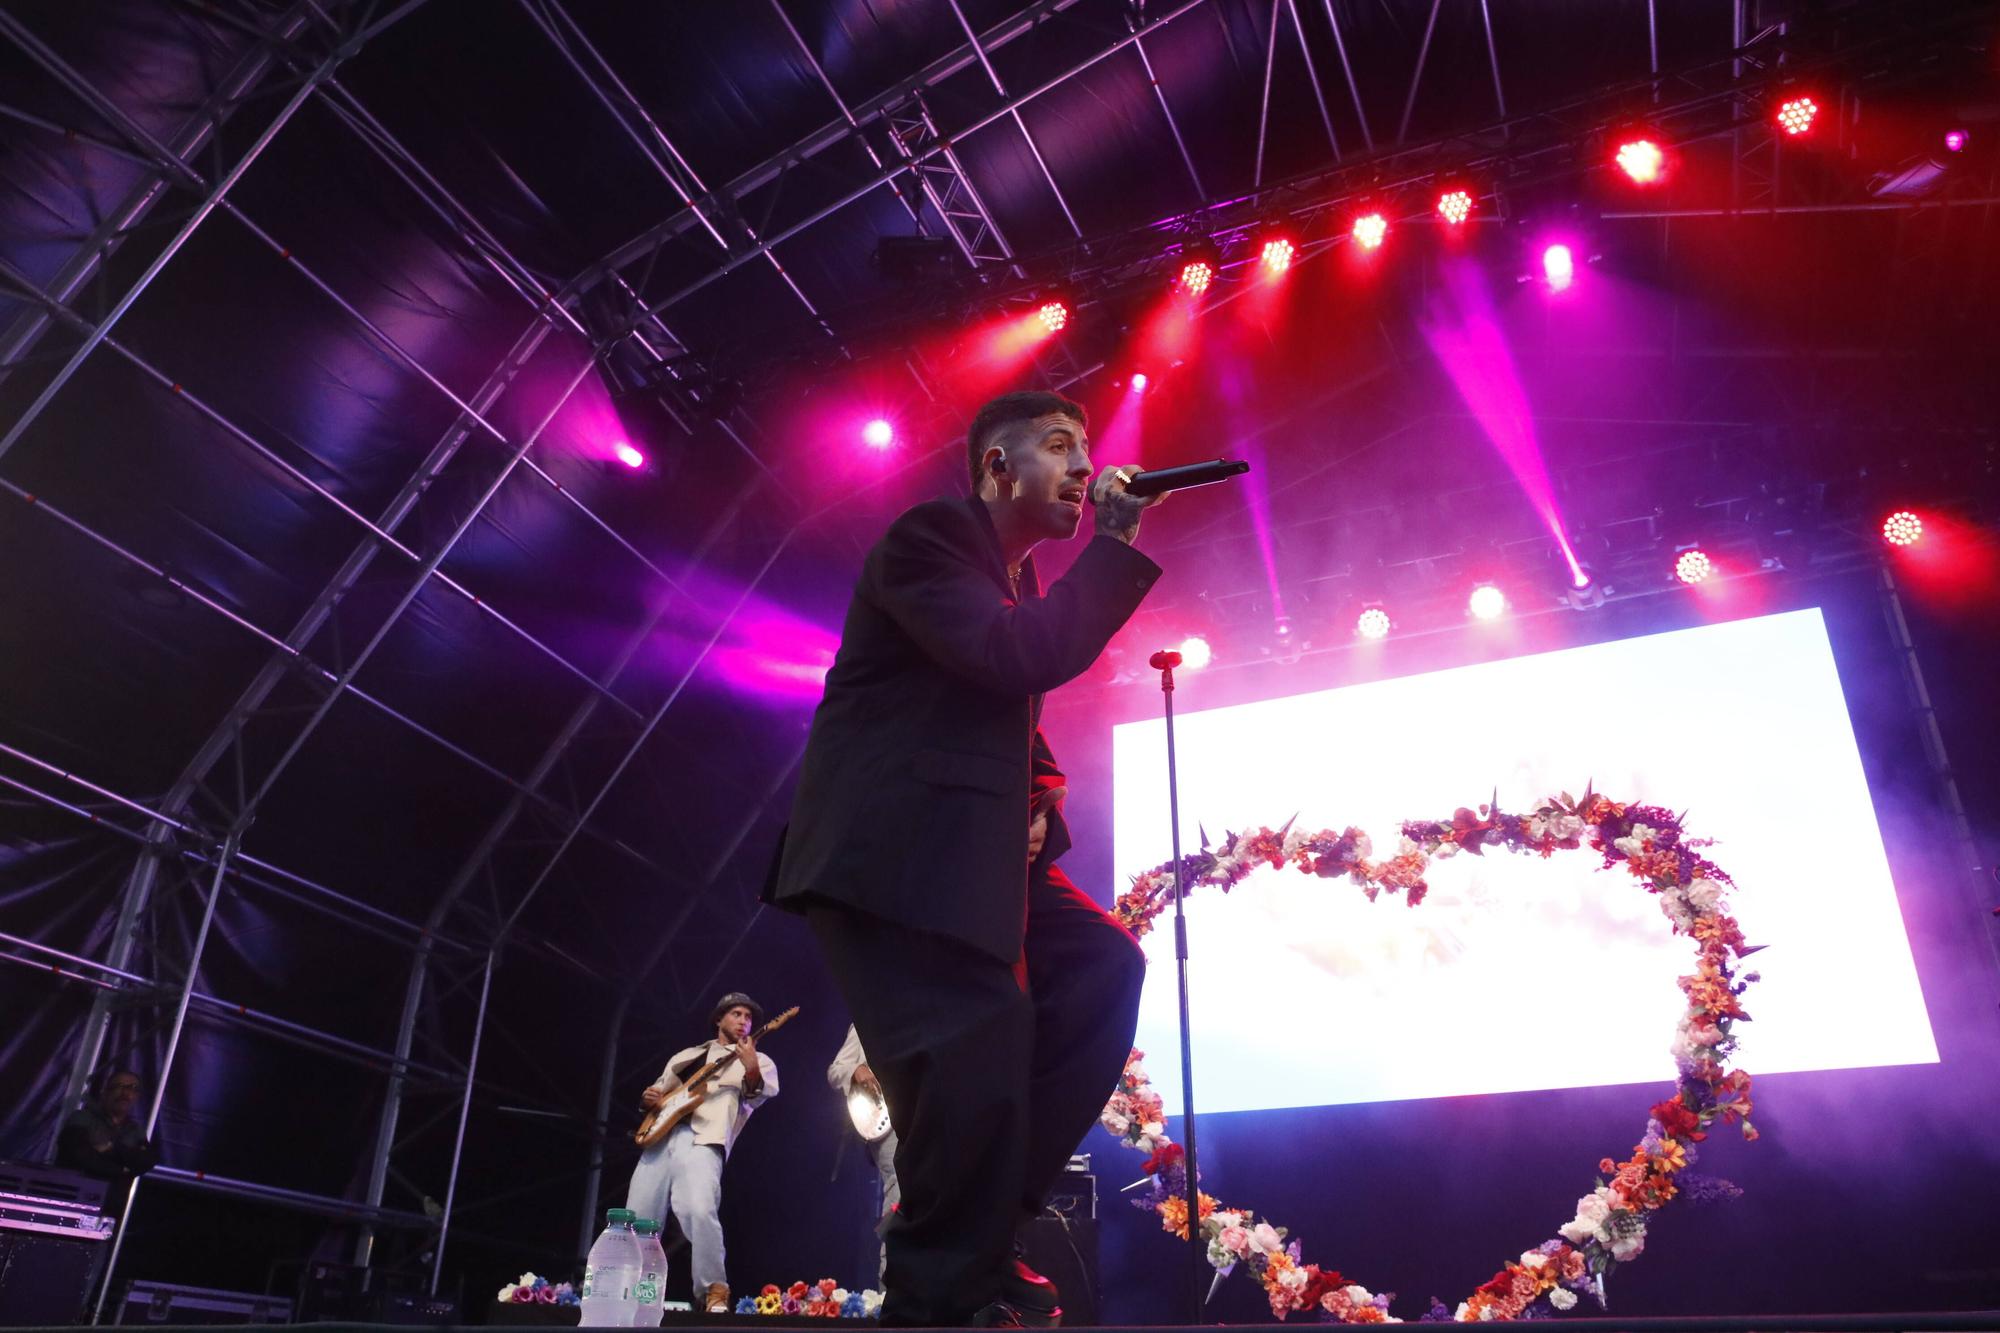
1610, 1223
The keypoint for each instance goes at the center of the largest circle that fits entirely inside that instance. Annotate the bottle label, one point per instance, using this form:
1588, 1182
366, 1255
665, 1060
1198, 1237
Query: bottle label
589, 1282
646, 1291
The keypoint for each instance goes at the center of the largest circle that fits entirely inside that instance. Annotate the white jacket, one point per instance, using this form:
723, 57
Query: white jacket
724, 1111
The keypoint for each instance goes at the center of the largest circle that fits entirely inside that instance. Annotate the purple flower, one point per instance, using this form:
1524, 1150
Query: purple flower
1550, 1247
1437, 1314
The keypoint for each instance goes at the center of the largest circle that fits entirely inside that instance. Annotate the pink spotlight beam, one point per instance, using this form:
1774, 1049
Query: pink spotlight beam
628, 455
1463, 331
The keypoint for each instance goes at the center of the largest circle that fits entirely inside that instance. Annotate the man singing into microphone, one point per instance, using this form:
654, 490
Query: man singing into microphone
996, 1001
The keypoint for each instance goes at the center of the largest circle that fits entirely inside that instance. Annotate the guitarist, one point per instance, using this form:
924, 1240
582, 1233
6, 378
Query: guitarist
848, 1074
683, 1171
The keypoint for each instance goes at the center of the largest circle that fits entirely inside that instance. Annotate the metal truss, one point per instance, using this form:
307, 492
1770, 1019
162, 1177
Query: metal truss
638, 249
1725, 96
140, 907
942, 178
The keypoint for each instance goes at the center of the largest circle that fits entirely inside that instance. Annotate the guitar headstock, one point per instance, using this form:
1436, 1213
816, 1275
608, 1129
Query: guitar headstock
779, 1021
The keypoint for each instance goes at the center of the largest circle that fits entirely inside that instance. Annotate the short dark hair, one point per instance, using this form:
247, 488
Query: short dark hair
1004, 411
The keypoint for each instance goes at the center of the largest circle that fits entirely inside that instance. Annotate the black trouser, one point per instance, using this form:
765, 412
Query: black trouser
990, 1085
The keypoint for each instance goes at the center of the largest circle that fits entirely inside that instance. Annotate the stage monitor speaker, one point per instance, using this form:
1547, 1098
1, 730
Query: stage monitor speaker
45, 1280
1061, 1245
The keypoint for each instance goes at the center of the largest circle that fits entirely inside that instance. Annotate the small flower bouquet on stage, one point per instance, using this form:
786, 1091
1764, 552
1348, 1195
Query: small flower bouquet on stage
824, 1299
533, 1299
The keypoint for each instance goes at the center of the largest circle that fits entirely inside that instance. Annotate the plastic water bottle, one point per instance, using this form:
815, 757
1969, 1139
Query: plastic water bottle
651, 1285
610, 1274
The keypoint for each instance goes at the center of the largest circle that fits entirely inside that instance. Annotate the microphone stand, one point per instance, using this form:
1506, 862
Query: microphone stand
1164, 662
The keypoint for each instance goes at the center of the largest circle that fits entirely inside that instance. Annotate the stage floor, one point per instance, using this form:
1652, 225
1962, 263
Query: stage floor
1955, 1321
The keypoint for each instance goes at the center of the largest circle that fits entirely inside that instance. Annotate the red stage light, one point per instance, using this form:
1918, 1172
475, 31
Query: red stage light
1642, 160
1277, 255
1693, 566
1956, 140
1372, 623
1195, 653
1902, 528
1454, 206
1487, 602
1196, 275
1796, 115
878, 434
1139, 381
1370, 229
1054, 316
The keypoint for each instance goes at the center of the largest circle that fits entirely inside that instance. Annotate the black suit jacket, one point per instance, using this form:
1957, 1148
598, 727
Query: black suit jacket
913, 796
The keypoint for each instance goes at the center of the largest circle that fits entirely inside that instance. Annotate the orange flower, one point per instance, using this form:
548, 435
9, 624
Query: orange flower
1173, 1216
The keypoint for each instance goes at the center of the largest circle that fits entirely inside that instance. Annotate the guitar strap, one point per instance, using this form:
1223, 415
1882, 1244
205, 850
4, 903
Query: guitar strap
700, 1059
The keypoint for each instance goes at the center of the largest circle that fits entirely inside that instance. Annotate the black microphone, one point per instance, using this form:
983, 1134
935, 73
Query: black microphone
1155, 481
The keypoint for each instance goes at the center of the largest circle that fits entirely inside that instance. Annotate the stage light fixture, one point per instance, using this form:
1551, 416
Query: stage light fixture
1195, 653
1455, 206
1956, 140
1487, 602
1370, 230
1796, 114
1643, 160
1139, 381
629, 456
1054, 315
1196, 265
1372, 623
1902, 528
1276, 255
1559, 267
878, 434
1693, 566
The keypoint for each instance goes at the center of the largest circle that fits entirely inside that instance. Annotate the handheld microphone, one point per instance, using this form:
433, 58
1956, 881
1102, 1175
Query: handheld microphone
1155, 481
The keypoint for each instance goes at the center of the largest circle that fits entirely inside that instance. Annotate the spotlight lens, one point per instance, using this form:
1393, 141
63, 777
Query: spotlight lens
1796, 115
1902, 528
1369, 231
1956, 140
1693, 566
1195, 653
1454, 206
1139, 381
1054, 316
878, 434
629, 456
1487, 602
1372, 623
1277, 255
1559, 265
1196, 276
1642, 160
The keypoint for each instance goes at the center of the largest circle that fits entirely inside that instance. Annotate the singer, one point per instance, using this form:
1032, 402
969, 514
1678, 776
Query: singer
995, 999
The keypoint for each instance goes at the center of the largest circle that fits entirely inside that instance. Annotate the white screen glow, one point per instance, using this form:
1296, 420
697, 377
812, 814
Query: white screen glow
1519, 973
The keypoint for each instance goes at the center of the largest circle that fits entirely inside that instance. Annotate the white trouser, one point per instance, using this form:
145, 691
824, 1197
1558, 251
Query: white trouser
884, 1149
679, 1174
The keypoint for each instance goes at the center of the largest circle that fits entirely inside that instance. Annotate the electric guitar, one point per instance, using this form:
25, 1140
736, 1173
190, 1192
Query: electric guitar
679, 1104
